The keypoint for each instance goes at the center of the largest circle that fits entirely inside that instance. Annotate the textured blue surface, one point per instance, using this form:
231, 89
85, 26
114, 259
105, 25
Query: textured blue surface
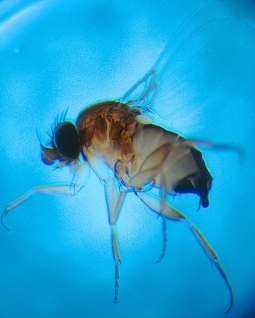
57, 261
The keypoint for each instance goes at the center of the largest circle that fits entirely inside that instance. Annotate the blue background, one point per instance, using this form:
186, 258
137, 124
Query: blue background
57, 262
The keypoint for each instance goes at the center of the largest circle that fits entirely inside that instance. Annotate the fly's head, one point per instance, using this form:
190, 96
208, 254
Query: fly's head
64, 146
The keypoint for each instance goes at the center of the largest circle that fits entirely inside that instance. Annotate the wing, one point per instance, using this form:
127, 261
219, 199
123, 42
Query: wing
200, 67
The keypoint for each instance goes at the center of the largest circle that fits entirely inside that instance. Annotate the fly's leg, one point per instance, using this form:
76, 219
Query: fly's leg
215, 260
162, 208
164, 230
173, 214
59, 189
114, 201
79, 179
116, 256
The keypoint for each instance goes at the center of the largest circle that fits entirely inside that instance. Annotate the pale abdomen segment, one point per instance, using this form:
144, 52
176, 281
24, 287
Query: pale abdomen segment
170, 161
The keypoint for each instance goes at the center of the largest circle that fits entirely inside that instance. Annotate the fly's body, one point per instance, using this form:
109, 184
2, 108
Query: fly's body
129, 152
140, 154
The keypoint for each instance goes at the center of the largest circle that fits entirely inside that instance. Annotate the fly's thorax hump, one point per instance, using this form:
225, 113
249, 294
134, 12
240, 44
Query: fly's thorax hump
108, 128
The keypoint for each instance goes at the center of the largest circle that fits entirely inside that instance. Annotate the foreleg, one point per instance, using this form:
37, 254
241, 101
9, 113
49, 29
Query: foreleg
79, 179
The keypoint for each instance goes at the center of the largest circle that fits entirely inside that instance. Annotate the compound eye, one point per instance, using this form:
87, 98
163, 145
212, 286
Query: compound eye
66, 141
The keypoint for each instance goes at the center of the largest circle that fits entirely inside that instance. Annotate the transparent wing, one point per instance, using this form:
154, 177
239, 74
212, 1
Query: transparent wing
202, 65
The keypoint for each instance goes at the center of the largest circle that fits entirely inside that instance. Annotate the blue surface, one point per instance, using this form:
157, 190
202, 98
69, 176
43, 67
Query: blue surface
57, 261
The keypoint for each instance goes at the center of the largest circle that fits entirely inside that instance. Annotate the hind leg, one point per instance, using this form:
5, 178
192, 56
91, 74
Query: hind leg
171, 213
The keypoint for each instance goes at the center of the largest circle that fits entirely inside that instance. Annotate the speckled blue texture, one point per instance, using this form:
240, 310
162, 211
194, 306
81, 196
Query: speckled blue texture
57, 261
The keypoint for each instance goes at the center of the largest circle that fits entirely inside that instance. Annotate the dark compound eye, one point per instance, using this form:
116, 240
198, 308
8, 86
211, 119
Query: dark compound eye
66, 141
